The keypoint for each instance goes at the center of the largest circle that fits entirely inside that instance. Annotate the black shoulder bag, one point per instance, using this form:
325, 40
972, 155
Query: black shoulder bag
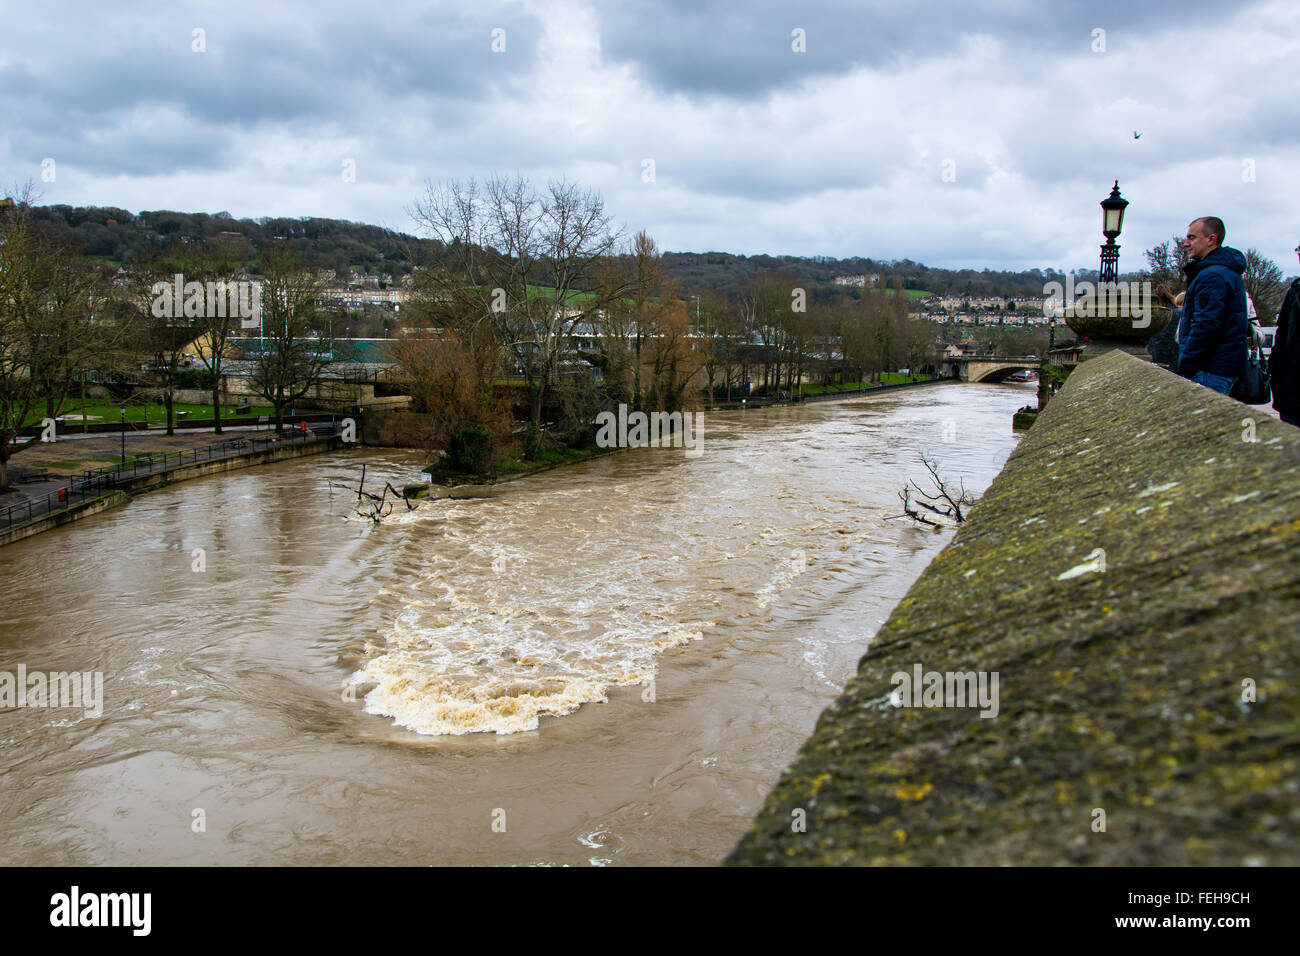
1254, 387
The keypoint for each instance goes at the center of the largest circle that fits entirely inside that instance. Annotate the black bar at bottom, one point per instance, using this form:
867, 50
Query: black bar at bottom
927, 909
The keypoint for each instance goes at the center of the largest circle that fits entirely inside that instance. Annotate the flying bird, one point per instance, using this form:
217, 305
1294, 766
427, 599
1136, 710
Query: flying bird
1137, 135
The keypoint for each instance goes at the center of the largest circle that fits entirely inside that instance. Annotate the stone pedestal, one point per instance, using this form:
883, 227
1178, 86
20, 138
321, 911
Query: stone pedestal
1104, 324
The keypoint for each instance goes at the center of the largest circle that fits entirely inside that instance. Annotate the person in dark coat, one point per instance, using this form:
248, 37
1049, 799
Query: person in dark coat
1284, 362
1163, 346
1214, 331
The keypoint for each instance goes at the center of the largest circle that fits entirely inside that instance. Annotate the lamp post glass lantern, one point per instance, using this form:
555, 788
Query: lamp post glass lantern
1112, 223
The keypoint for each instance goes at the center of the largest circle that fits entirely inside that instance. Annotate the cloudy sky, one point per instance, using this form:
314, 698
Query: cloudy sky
976, 133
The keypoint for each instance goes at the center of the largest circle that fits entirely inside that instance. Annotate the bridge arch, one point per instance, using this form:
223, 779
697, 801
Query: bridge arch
989, 368
999, 373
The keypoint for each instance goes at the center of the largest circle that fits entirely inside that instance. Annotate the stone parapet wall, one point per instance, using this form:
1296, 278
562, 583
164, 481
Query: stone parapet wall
1132, 578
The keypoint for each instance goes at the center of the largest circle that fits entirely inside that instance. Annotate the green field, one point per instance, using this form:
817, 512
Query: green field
546, 291
912, 294
96, 412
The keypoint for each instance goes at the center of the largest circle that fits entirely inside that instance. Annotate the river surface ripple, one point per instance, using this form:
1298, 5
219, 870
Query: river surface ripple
612, 661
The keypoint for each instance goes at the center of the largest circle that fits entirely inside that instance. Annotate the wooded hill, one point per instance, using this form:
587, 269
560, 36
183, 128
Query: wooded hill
122, 237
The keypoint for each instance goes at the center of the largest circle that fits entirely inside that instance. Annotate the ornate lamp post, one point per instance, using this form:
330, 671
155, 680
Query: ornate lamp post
1112, 317
1112, 222
123, 410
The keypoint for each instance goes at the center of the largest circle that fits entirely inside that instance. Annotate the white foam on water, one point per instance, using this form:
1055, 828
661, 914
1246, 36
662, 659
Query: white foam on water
541, 599
501, 668
493, 639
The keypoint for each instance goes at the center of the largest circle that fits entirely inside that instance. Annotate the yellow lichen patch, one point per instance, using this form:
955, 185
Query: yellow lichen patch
911, 794
1252, 776
900, 836
884, 770
817, 781
1287, 528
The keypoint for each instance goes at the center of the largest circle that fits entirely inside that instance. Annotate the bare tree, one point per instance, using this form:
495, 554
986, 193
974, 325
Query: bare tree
672, 363
18, 294
645, 330
527, 262
449, 383
1264, 283
51, 320
628, 321
221, 263
70, 321
295, 347
1165, 263
718, 331
765, 305
157, 328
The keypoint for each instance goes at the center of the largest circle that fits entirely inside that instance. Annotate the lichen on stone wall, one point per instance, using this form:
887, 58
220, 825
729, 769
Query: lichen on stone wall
1132, 578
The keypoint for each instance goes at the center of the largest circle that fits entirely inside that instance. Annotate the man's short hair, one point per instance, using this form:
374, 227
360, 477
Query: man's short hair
1214, 226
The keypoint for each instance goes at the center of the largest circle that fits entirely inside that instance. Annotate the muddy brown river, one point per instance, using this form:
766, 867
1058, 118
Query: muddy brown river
609, 663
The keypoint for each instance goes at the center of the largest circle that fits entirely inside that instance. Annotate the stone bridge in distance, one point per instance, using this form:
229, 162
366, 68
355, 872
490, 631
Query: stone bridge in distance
988, 368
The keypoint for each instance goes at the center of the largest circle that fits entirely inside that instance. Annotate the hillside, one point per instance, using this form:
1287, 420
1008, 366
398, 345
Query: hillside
122, 237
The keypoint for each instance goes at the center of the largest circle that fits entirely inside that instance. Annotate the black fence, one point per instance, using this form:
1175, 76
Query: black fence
91, 484
154, 462
33, 508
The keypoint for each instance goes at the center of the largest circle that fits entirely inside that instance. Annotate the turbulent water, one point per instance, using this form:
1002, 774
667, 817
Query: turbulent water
606, 663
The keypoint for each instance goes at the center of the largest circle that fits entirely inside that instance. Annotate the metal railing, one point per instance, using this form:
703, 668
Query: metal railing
92, 483
39, 507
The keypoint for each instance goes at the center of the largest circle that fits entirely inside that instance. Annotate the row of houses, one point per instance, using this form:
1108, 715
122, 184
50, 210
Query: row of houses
360, 298
984, 318
995, 303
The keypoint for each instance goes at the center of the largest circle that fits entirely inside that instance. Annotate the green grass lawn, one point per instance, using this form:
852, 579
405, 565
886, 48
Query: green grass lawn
912, 294
886, 378
137, 413
546, 291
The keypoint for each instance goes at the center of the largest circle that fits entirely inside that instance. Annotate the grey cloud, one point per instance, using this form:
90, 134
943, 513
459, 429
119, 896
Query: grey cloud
83, 79
744, 50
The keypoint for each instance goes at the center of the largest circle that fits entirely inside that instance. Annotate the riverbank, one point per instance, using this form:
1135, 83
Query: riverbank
56, 519
514, 470
121, 486
827, 396
519, 469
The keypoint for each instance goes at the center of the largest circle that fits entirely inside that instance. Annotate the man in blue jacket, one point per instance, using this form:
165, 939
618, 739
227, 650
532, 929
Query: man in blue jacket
1213, 332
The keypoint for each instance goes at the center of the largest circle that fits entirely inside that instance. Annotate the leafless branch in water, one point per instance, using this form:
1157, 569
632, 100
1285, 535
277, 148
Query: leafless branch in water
958, 500
372, 506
